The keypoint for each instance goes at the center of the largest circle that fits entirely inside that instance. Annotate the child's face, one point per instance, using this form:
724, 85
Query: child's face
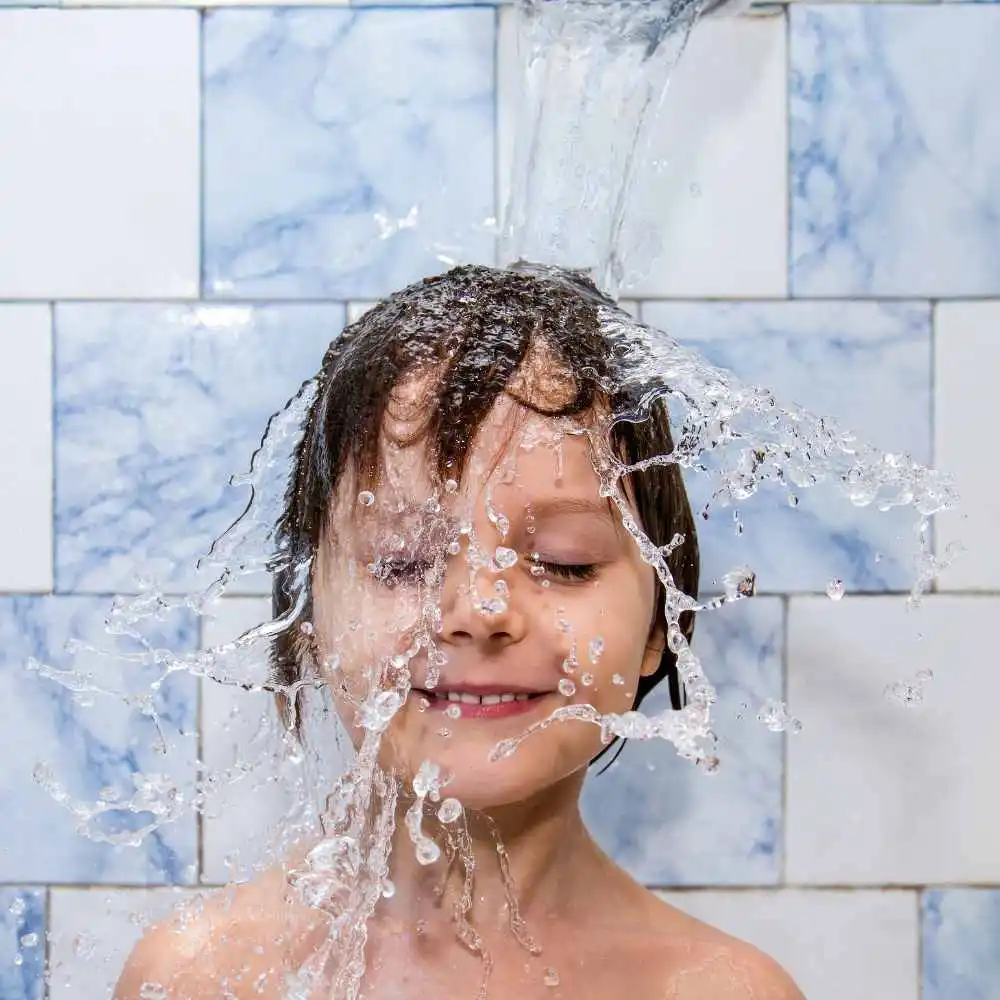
578, 613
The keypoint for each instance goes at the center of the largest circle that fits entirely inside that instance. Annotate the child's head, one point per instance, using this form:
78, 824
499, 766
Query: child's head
446, 492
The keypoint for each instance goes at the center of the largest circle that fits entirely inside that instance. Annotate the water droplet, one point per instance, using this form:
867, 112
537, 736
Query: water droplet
450, 485
388, 889
449, 810
835, 589
84, 945
307, 628
594, 649
587, 679
29, 940
551, 977
453, 711
18, 906
774, 715
366, 498
504, 557
152, 991
617, 679
793, 500
428, 852
454, 547
567, 687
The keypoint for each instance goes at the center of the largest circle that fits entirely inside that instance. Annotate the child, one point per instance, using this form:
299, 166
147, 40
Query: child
469, 573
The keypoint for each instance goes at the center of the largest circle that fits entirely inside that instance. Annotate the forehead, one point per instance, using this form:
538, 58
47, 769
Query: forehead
515, 451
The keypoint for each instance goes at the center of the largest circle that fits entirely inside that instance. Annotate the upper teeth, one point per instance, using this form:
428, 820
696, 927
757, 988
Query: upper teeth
486, 699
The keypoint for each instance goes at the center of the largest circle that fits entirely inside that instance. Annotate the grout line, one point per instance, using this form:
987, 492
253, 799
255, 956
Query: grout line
53, 494
919, 896
202, 243
47, 949
499, 211
208, 300
199, 825
698, 887
788, 155
932, 450
785, 660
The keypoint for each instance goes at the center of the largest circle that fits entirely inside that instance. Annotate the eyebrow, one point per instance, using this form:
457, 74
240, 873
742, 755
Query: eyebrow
555, 506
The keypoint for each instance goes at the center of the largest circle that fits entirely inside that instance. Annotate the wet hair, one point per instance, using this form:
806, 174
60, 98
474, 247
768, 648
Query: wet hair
474, 328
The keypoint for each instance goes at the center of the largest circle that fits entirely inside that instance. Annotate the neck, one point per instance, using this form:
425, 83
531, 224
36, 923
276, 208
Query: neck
523, 860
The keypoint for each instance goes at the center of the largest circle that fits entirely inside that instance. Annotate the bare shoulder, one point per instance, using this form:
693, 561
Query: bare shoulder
707, 964
236, 941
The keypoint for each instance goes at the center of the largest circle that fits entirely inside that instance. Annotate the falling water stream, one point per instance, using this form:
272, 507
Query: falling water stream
594, 78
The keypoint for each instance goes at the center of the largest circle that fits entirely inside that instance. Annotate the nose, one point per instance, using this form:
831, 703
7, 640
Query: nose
474, 612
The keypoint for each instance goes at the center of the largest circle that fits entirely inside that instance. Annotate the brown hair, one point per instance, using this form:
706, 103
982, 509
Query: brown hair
474, 326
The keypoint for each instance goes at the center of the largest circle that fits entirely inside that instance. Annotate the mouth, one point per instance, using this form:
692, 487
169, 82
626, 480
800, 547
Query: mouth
480, 705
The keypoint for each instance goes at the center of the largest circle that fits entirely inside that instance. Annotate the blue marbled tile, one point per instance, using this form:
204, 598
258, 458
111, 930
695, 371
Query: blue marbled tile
22, 944
342, 147
670, 824
895, 151
156, 406
961, 932
866, 364
92, 743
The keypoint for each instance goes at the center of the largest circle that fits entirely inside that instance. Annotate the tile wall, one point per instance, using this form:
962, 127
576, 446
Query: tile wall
188, 200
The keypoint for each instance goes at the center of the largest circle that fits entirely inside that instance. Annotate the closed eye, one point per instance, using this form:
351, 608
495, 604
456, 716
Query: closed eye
568, 571
393, 572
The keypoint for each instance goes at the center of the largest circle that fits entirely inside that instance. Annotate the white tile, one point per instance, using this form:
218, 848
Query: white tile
878, 792
714, 181
26, 447
94, 930
99, 112
967, 356
244, 816
234, 720
720, 193
834, 944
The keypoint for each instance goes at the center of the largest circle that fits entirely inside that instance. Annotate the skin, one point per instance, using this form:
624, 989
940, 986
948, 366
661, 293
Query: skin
602, 932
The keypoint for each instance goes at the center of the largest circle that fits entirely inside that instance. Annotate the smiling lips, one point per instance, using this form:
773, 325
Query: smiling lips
482, 702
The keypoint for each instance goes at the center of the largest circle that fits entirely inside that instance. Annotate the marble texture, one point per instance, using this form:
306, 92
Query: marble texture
966, 360
725, 105
102, 110
868, 365
26, 447
834, 943
92, 742
961, 932
156, 406
22, 944
670, 824
314, 188
895, 150
878, 792
93, 932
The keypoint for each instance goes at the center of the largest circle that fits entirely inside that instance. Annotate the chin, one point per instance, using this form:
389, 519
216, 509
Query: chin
482, 785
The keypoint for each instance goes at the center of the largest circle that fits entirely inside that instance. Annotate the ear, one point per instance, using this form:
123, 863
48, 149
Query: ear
655, 645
